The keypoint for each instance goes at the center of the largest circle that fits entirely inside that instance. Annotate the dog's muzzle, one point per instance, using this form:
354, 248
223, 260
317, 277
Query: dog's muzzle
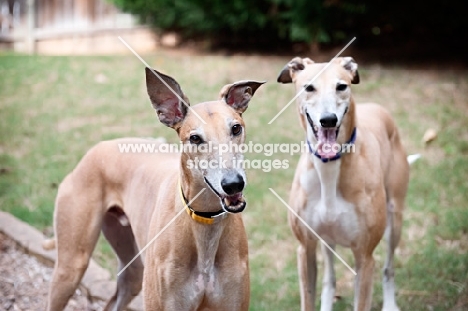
326, 135
233, 201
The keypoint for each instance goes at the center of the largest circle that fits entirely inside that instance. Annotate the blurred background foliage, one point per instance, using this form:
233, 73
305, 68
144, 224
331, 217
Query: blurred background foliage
270, 24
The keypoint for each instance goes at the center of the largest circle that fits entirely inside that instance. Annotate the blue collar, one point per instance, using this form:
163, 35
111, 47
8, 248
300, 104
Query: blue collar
351, 141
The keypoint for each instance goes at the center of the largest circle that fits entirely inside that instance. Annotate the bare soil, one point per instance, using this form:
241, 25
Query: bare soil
24, 282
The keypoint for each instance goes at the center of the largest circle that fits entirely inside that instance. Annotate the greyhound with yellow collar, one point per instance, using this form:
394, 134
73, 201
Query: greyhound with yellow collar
200, 262
352, 198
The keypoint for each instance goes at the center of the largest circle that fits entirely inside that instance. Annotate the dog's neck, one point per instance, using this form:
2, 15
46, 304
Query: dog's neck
206, 237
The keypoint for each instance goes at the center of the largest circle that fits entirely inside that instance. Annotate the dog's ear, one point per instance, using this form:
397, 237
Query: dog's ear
238, 94
166, 97
349, 64
290, 69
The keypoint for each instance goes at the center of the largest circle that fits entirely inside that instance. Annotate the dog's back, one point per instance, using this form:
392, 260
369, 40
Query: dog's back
104, 171
376, 121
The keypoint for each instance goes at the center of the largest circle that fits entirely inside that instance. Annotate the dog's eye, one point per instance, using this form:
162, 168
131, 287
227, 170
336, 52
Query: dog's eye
309, 88
236, 129
195, 139
341, 87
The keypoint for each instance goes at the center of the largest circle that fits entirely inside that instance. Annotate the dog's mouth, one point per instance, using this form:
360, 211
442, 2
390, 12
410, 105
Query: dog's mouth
326, 139
234, 203
230, 203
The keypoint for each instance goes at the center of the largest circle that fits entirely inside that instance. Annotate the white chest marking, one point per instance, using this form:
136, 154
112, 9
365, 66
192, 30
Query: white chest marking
327, 212
205, 283
204, 274
200, 283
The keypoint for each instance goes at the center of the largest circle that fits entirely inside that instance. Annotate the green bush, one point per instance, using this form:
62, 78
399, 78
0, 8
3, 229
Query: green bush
374, 22
241, 20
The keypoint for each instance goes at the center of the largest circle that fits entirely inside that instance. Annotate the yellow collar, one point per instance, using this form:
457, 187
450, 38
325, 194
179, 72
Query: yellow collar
207, 218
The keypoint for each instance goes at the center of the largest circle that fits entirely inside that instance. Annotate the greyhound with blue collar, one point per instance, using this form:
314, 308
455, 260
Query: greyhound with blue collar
349, 199
200, 262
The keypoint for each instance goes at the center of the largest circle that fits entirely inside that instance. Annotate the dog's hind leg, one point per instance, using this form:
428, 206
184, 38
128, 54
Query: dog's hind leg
77, 229
392, 237
329, 281
120, 235
397, 185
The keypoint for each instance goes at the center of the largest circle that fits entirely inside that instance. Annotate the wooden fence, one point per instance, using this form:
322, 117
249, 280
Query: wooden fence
29, 25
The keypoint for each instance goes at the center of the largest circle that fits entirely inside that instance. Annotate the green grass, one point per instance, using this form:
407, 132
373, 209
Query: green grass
52, 109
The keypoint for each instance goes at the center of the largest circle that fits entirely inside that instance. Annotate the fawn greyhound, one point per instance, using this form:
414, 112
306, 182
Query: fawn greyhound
350, 199
200, 262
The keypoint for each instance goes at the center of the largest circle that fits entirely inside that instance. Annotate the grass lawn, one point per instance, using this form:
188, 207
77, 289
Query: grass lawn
52, 109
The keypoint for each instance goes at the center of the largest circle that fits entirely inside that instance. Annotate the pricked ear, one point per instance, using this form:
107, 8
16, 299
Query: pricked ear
349, 64
238, 94
290, 69
166, 97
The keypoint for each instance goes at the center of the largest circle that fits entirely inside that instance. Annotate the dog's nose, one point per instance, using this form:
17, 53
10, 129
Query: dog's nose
328, 119
232, 184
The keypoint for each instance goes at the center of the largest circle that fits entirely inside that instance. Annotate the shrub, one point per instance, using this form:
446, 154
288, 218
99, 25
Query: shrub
375, 22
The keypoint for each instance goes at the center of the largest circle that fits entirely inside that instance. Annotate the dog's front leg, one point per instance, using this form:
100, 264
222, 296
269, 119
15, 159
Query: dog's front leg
363, 283
307, 269
167, 284
329, 281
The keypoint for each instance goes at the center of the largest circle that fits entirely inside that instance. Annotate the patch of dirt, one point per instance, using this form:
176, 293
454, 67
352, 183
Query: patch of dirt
24, 282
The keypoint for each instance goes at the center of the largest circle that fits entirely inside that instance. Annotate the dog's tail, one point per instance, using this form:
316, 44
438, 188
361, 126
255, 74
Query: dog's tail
48, 244
413, 158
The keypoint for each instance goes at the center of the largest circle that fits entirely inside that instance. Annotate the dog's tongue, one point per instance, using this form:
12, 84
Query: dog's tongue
233, 199
326, 142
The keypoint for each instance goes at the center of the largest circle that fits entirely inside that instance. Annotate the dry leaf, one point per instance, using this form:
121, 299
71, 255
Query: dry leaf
429, 136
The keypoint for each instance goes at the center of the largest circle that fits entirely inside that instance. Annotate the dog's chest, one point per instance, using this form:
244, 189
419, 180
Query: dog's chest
333, 218
203, 283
